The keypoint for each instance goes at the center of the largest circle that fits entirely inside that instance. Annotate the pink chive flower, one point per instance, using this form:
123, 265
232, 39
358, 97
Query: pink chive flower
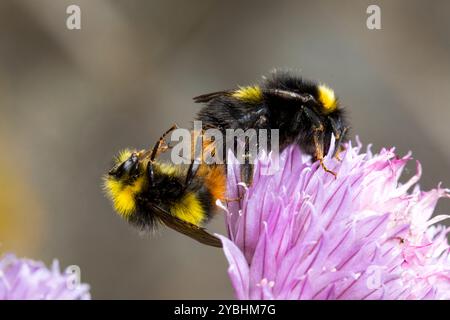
302, 234
24, 279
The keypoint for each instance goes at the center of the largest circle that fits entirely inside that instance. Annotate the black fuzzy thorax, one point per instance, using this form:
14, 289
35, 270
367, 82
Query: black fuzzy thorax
223, 111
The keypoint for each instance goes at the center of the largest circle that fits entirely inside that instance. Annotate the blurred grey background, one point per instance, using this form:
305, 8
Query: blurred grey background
70, 99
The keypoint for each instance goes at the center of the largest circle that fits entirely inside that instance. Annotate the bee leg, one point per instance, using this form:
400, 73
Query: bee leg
192, 172
247, 166
337, 155
150, 174
318, 136
259, 120
318, 143
339, 134
342, 136
247, 173
234, 199
338, 146
164, 147
157, 148
298, 119
160, 145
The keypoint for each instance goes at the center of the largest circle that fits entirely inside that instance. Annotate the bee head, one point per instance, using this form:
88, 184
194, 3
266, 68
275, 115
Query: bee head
126, 165
124, 182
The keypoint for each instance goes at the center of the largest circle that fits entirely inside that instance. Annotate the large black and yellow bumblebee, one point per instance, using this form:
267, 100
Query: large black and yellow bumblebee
147, 192
305, 112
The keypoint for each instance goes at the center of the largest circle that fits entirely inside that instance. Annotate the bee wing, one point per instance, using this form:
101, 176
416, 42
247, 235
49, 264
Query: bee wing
191, 230
209, 96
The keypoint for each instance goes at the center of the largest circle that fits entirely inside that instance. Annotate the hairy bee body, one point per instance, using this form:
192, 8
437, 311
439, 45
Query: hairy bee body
305, 113
147, 193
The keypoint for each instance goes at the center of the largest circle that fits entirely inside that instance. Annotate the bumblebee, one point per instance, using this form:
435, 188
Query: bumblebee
146, 192
305, 112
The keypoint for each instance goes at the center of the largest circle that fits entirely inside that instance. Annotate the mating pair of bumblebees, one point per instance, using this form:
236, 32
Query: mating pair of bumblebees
147, 192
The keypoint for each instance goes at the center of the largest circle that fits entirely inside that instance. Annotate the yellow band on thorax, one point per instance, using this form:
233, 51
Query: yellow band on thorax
252, 94
327, 98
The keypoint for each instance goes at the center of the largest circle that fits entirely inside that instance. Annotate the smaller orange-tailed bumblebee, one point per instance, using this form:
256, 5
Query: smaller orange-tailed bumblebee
305, 112
147, 192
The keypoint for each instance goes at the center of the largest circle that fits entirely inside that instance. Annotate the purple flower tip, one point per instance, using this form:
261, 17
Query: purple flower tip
24, 279
299, 233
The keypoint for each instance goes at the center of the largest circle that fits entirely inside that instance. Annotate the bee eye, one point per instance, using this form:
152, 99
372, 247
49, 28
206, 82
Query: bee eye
128, 167
131, 165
